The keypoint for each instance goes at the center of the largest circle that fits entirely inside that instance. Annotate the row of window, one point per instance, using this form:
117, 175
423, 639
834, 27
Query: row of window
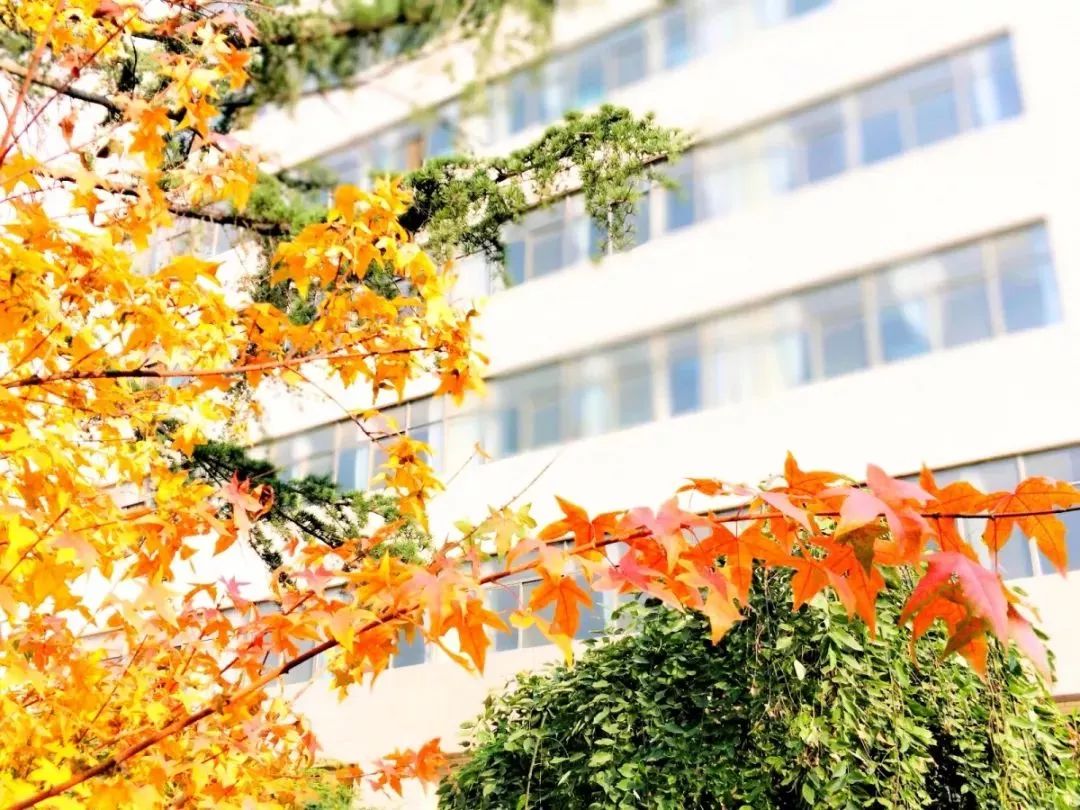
976, 291
543, 93
930, 103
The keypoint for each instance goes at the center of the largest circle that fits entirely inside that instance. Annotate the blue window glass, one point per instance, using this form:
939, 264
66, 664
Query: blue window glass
548, 250
1006, 86
797, 7
679, 201
995, 90
410, 652
881, 136
629, 57
966, 312
441, 138
904, 330
935, 116
826, 154
634, 385
684, 383
504, 599
676, 29
589, 78
965, 300
515, 261
509, 431
641, 230
545, 424
1028, 287
844, 347
525, 100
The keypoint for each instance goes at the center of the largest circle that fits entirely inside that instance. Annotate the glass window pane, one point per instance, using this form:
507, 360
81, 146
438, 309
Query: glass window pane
509, 441
641, 231
676, 32
994, 91
679, 201
302, 672
547, 250
837, 313
524, 100
825, 153
592, 400
591, 618
515, 261
635, 397
809, 147
904, 311
545, 424
441, 136
935, 116
1028, 286
589, 88
904, 330
321, 465
684, 372
504, 600
716, 24
965, 303
881, 136
352, 472
629, 57
797, 7
410, 652
719, 188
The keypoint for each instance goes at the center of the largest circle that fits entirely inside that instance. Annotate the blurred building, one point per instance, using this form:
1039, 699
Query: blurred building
872, 257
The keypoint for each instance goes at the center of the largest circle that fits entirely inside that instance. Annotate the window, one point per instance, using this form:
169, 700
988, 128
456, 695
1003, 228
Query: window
965, 302
529, 408
634, 384
629, 56
834, 316
589, 82
1026, 275
904, 310
526, 101
991, 85
591, 401
808, 147
410, 651
353, 469
882, 110
933, 102
548, 250
675, 27
679, 201
684, 371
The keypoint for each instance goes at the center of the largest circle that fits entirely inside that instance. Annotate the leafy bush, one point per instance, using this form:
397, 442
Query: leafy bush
792, 709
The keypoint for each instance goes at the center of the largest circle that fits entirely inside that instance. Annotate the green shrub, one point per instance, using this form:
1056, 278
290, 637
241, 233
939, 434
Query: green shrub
792, 709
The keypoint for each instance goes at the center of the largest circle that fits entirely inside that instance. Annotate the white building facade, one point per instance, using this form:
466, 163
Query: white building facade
874, 257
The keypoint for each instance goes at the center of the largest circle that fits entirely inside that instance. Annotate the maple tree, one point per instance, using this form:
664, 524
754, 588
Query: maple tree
121, 684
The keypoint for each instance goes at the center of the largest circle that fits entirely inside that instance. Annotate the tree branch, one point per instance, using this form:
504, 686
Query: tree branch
151, 372
223, 702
